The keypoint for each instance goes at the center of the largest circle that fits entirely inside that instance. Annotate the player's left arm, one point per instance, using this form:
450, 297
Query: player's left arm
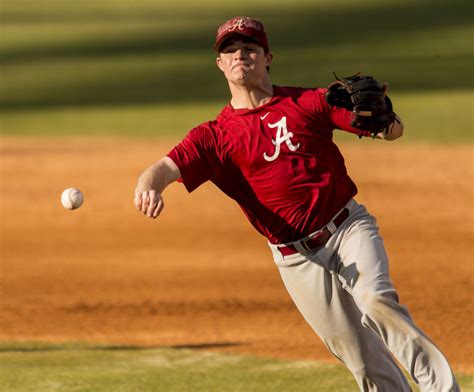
359, 104
342, 118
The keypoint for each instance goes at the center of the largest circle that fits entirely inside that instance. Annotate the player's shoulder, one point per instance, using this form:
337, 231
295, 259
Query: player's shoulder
311, 99
214, 126
205, 128
225, 114
214, 129
302, 96
228, 117
296, 92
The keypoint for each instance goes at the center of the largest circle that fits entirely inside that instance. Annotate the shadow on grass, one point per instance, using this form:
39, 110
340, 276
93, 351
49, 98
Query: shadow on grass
6, 348
323, 36
299, 27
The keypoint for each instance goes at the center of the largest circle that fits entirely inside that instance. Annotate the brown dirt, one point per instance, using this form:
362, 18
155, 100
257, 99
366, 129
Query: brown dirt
199, 276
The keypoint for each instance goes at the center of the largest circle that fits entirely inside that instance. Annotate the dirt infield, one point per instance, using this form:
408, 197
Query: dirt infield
200, 276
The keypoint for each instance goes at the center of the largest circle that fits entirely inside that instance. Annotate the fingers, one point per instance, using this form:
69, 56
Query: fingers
137, 201
159, 207
155, 205
150, 203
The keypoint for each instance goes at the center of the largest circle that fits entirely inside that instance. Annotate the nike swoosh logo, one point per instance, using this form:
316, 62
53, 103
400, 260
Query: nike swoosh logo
263, 117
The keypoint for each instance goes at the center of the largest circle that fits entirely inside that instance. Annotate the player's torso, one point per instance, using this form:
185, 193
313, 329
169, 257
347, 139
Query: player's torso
283, 168
281, 145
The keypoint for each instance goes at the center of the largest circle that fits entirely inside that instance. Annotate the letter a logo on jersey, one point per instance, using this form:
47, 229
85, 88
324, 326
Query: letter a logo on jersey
282, 135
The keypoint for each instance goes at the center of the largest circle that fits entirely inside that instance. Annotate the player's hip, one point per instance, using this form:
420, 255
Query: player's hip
353, 218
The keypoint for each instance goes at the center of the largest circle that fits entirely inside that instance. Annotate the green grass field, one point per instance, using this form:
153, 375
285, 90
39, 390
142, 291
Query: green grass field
445, 117
80, 367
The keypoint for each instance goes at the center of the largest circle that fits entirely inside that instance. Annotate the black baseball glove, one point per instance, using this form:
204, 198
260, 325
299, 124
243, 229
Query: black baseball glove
365, 97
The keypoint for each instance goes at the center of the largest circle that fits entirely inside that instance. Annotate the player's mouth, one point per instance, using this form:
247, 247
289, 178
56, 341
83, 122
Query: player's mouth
240, 65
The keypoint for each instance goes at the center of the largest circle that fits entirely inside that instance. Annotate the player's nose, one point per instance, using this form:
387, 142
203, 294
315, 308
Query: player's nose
240, 53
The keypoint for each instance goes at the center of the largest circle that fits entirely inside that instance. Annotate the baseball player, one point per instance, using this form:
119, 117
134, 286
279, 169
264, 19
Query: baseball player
271, 150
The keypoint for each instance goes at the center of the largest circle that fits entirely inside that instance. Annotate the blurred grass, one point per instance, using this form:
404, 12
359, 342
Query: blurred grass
128, 67
76, 367
439, 117
145, 120
80, 367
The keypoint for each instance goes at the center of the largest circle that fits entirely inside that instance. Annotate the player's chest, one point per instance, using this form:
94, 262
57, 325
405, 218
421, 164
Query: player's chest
271, 137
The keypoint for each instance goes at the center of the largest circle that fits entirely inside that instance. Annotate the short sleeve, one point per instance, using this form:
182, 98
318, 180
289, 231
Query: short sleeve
341, 118
197, 156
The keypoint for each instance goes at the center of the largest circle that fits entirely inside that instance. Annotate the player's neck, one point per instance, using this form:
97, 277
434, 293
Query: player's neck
250, 96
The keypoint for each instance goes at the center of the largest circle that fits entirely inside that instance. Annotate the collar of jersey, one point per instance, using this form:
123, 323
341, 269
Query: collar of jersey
240, 112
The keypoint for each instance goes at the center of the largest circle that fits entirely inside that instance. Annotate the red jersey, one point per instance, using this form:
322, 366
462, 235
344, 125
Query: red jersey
277, 161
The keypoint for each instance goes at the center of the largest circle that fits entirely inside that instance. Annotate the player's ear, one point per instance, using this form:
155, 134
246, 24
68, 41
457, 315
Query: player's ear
268, 58
219, 63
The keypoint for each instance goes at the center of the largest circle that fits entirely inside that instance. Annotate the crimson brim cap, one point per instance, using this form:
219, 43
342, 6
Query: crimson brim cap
242, 25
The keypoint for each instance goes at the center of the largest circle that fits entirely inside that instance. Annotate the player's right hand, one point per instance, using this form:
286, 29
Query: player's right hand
149, 202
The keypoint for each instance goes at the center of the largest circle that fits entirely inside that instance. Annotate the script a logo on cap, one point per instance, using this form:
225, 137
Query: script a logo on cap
238, 24
242, 23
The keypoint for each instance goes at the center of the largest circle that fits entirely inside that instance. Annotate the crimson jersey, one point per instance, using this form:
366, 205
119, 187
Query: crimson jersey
278, 161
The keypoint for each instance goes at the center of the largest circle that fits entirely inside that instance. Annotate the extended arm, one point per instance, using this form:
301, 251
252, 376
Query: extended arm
151, 183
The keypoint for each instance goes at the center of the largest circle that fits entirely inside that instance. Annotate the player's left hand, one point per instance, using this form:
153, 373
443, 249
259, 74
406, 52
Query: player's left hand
366, 98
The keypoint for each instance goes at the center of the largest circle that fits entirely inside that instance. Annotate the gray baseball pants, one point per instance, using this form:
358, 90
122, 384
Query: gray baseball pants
343, 290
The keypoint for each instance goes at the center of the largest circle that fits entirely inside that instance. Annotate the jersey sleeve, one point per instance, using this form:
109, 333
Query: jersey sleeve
341, 118
197, 156
325, 116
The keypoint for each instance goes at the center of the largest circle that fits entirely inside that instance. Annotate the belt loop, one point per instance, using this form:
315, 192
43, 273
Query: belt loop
351, 205
331, 226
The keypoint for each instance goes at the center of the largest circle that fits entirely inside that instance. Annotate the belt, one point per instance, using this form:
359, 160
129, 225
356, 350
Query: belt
317, 239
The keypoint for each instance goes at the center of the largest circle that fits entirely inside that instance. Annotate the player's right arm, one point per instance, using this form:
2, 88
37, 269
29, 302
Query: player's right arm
151, 184
193, 161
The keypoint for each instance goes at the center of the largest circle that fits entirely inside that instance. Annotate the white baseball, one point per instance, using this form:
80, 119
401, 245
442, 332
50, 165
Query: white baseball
72, 198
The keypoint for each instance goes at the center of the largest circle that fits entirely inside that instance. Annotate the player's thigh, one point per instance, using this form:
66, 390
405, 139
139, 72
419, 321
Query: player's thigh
332, 314
362, 262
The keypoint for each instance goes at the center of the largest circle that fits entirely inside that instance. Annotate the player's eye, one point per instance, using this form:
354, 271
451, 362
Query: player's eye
228, 49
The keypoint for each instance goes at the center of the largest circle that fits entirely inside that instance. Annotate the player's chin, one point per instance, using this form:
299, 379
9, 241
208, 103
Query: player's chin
239, 73
243, 77
239, 80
